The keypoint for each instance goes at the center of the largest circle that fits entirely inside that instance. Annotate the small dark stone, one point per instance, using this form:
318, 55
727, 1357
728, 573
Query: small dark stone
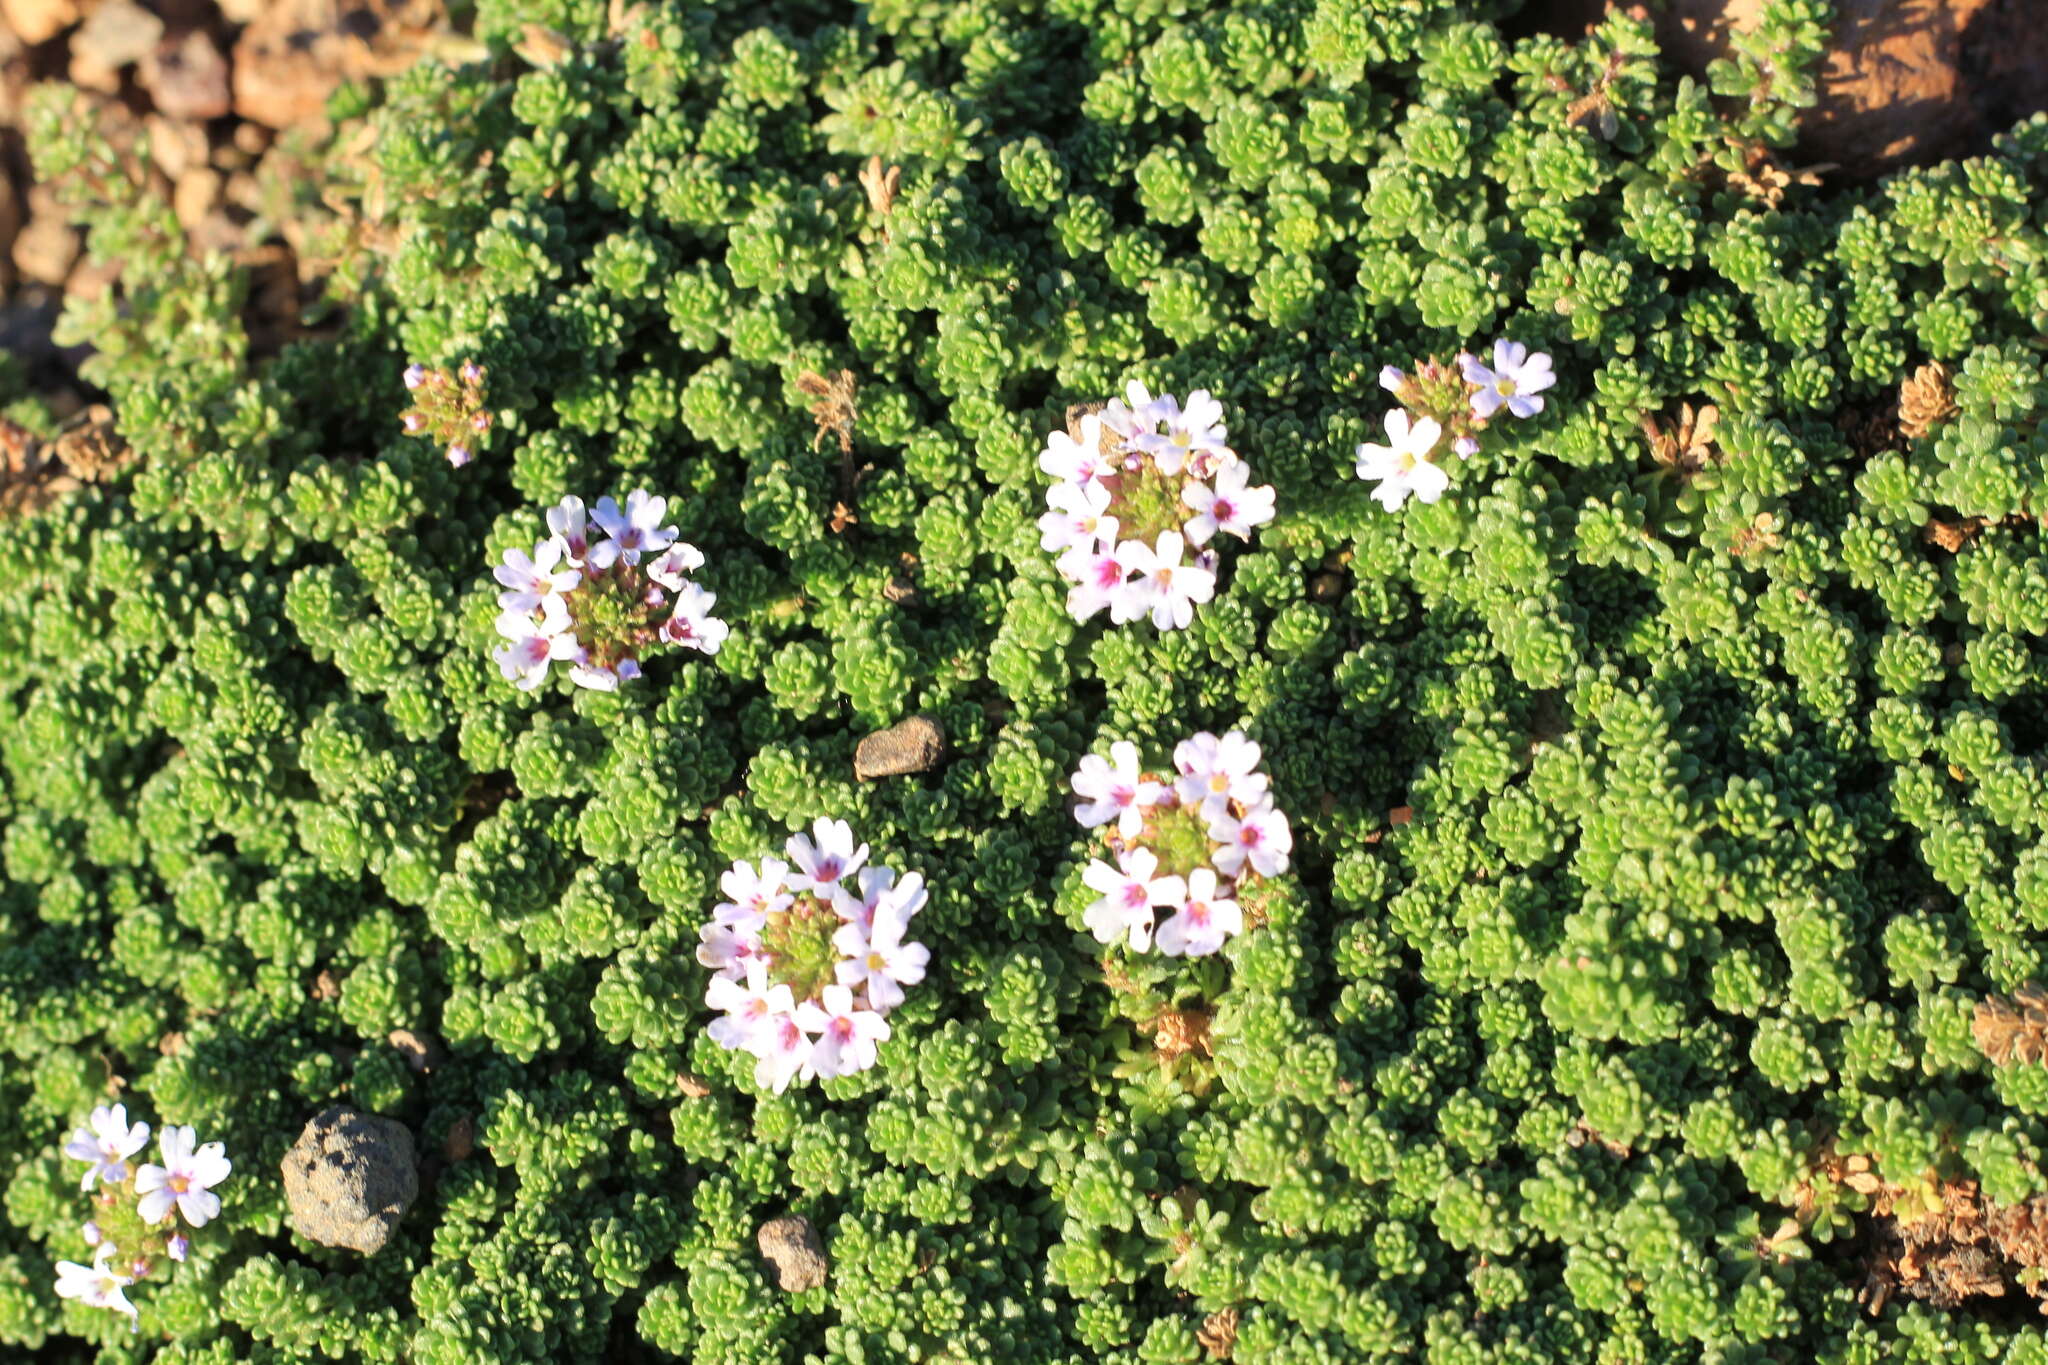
913, 746
349, 1179
1326, 585
792, 1247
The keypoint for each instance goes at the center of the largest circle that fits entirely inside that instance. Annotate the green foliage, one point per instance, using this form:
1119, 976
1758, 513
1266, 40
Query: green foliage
1656, 827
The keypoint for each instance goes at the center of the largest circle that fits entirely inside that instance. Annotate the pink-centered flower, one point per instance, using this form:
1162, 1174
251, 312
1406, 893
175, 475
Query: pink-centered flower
825, 861
748, 1006
754, 895
185, 1181
531, 649
1076, 461
529, 581
691, 625
783, 1050
1095, 572
107, 1141
565, 521
1260, 840
1215, 772
728, 948
1128, 894
1403, 467
1137, 413
846, 1034
1229, 506
677, 560
635, 531
1163, 586
1112, 789
1516, 380
1204, 922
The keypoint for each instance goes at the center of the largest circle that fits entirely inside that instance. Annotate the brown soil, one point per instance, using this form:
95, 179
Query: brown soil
1907, 82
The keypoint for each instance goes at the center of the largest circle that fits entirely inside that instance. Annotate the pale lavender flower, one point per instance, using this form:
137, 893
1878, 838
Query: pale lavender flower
1261, 840
1391, 378
415, 375
1112, 789
1204, 922
529, 580
1128, 893
565, 520
1516, 380
107, 1141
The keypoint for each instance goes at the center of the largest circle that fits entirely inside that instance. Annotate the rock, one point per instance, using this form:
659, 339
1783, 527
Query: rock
38, 21
295, 53
188, 77
117, 34
48, 246
913, 746
175, 148
349, 1179
1325, 585
10, 215
792, 1247
194, 196
421, 1053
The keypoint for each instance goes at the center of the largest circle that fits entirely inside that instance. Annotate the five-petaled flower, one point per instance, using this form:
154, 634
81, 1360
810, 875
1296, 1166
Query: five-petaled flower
1516, 380
99, 1284
107, 1141
1403, 466
185, 1181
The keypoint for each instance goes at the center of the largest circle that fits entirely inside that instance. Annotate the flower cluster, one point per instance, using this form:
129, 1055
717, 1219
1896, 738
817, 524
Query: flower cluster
596, 605
1451, 403
1140, 482
448, 408
810, 958
132, 1205
1184, 842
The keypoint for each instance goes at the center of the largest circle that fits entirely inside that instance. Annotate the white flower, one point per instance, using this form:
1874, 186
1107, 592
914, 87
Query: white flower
533, 647
675, 561
749, 1006
878, 959
1138, 413
1261, 839
1164, 586
185, 1180
755, 895
880, 894
1128, 894
1192, 433
1404, 467
1215, 772
1229, 506
1078, 510
784, 1050
1113, 790
98, 1284
598, 678
728, 948
565, 520
1204, 921
1072, 461
635, 531
830, 858
1391, 378
1095, 571
847, 1035
529, 582
107, 1141
1516, 380
691, 625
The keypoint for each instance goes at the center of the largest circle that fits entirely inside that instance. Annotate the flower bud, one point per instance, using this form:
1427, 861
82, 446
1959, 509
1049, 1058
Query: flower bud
415, 375
458, 455
178, 1246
